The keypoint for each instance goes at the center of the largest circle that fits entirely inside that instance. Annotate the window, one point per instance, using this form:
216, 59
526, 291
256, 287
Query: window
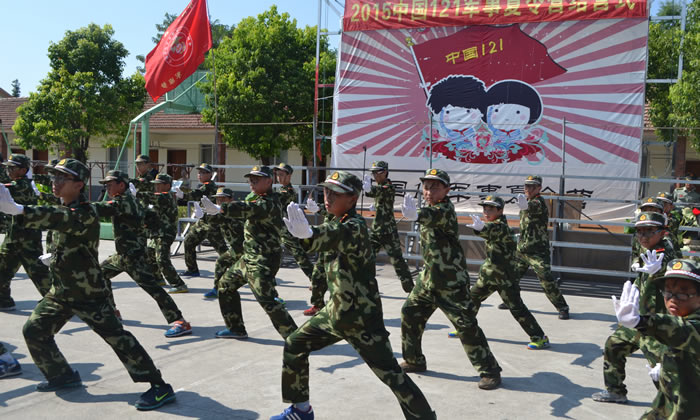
113, 155
206, 153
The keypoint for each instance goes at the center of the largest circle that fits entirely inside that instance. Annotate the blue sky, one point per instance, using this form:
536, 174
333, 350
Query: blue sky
30, 25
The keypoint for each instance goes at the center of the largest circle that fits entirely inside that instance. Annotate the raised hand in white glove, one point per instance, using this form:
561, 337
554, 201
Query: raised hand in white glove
372, 207
654, 372
296, 222
635, 266
627, 308
45, 259
209, 207
198, 213
408, 208
522, 202
477, 224
7, 203
36, 190
366, 183
652, 262
132, 189
178, 192
311, 205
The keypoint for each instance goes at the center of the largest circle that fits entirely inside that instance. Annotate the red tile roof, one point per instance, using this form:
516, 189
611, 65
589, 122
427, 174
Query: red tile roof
175, 121
8, 111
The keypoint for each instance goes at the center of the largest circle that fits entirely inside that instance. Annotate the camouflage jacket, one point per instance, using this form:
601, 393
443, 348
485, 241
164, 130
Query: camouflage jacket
4, 178
127, 223
674, 223
208, 189
287, 194
23, 193
232, 230
75, 268
680, 367
143, 182
46, 182
161, 220
383, 194
534, 238
263, 224
442, 252
349, 262
4, 219
650, 299
500, 243
681, 195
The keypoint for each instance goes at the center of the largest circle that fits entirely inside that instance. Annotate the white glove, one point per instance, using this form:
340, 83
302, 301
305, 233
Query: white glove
198, 213
652, 262
296, 222
178, 192
408, 208
372, 207
45, 259
477, 224
654, 372
132, 189
635, 266
209, 207
7, 203
30, 175
367, 183
213, 177
522, 202
36, 190
311, 205
627, 308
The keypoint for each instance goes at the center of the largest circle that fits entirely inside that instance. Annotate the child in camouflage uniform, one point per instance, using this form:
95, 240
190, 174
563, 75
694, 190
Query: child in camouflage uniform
497, 273
674, 217
354, 311
443, 283
657, 251
678, 374
78, 288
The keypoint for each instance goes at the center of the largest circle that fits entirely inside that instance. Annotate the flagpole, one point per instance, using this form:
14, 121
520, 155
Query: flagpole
217, 138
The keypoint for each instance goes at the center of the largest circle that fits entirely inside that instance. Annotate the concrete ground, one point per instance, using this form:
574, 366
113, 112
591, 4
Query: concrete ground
232, 379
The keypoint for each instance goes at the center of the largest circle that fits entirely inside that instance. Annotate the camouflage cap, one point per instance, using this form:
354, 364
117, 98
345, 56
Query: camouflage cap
72, 167
51, 164
648, 218
681, 269
162, 179
115, 175
260, 171
342, 182
533, 180
17, 159
438, 174
665, 197
491, 200
205, 167
379, 166
652, 202
283, 167
143, 159
224, 192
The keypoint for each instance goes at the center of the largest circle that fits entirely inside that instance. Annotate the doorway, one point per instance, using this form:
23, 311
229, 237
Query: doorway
176, 157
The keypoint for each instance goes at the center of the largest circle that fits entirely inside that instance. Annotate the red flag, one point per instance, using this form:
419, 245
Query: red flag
180, 50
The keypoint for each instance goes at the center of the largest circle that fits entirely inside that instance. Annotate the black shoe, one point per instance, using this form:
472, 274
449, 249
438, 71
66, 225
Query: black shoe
155, 397
503, 306
189, 273
410, 367
7, 305
71, 380
564, 314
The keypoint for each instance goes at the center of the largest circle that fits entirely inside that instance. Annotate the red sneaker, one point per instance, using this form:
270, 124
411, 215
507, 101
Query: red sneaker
312, 311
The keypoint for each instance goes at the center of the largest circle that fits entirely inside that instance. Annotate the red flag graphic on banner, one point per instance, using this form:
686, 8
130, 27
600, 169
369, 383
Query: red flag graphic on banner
180, 50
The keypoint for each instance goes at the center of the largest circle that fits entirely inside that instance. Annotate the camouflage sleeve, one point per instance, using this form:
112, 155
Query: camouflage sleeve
535, 208
201, 191
486, 232
42, 179
332, 236
107, 208
372, 191
146, 197
431, 216
63, 219
245, 209
674, 331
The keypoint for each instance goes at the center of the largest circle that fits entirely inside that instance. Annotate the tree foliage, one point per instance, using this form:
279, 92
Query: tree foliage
84, 95
265, 75
15, 88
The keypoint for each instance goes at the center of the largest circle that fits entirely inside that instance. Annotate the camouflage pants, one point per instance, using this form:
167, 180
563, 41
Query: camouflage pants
159, 257
391, 243
15, 253
142, 273
459, 309
300, 256
373, 346
623, 342
197, 233
491, 280
319, 283
261, 280
541, 265
51, 314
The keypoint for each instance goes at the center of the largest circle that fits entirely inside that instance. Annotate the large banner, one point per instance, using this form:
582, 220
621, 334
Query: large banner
477, 99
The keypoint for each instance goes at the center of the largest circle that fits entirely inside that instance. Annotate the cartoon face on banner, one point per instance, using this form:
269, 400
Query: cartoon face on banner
483, 108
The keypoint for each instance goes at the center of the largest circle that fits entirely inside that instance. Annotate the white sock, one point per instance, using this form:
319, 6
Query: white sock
303, 406
7, 358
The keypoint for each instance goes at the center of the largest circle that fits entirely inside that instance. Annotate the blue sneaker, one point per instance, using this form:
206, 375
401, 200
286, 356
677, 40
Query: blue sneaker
292, 413
9, 369
231, 334
212, 294
178, 329
540, 344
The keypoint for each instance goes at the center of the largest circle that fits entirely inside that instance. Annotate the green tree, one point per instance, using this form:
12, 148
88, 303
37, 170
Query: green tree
15, 88
265, 76
84, 95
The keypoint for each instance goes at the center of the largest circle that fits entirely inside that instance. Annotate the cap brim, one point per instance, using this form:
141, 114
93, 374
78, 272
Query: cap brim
64, 170
531, 182
647, 223
337, 186
256, 173
678, 274
490, 203
377, 169
222, 195
427, 177
107, 179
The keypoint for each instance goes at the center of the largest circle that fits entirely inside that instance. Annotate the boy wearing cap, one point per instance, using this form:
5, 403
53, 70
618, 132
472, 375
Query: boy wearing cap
687, 193
201, 229
354, 310
674, 218
78, 288
22, 244
657, 251
497, 273
127, 217
443, 283
678, 374
533, 245
144, 173
384, 232
261, 257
